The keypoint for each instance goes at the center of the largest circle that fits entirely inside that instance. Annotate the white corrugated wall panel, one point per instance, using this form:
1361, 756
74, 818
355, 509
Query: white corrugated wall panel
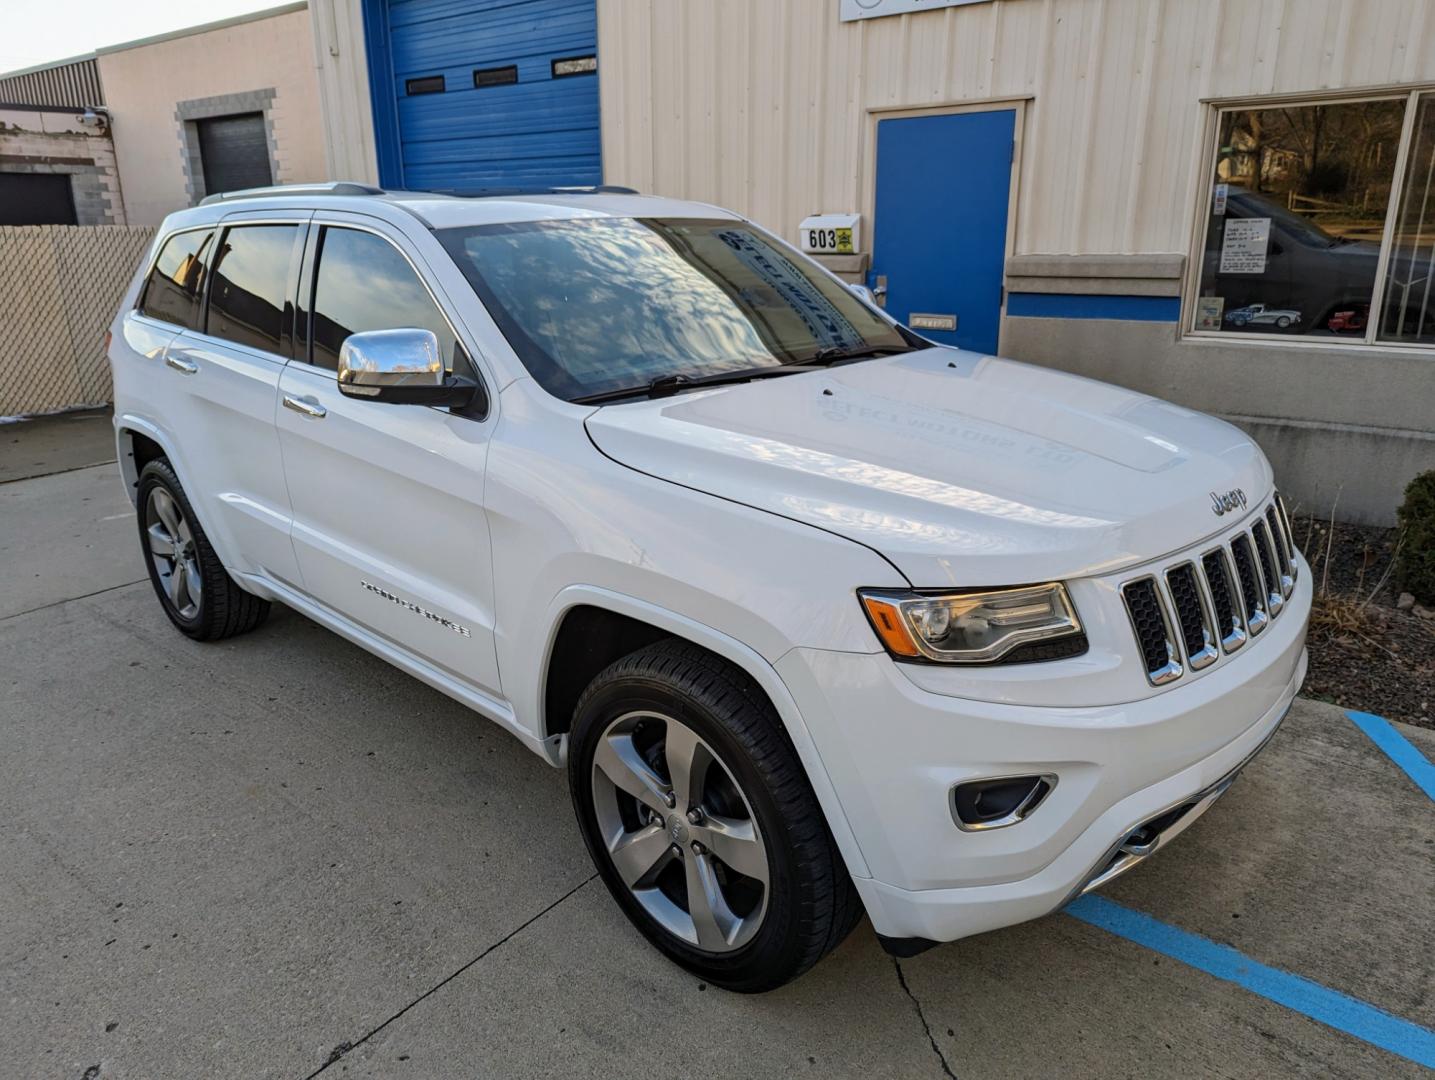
766, 105
338, 31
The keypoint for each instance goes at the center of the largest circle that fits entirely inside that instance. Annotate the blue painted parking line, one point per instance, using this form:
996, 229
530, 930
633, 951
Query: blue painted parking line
1320, 1003
1397, 748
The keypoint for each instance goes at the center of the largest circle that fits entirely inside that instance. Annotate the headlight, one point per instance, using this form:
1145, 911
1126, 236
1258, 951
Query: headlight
971, 627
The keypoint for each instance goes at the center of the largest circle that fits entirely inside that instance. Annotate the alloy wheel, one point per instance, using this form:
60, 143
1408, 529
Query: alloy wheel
171, 545
681, 834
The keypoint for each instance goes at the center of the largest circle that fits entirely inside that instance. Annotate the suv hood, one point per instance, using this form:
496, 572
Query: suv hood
961, 469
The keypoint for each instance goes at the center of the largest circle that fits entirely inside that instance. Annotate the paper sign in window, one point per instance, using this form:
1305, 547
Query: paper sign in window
1243, 247
1209, 310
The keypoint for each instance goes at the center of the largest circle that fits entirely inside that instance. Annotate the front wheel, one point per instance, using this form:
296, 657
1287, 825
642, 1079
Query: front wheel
702, 822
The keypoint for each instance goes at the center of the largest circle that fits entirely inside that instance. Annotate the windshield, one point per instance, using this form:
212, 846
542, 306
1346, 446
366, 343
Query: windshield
596, 305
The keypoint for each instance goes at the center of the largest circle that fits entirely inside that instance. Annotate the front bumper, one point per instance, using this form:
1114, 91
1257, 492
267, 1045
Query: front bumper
894, 751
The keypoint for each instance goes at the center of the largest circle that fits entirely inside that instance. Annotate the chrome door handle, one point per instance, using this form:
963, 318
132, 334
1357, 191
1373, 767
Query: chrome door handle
308, 406
181, 365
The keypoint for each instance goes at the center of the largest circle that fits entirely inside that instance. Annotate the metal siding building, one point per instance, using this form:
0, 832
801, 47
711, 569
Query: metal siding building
1120, 112
66, 84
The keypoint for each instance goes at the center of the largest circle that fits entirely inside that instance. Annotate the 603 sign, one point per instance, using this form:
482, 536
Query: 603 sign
838, 241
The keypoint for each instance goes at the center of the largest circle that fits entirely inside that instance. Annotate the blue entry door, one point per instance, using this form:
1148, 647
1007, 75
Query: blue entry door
939, 238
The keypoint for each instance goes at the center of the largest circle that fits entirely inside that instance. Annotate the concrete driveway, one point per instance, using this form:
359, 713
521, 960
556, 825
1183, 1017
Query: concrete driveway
279, 855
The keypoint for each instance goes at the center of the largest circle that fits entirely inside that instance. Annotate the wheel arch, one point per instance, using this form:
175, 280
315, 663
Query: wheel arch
137, 443
579, 608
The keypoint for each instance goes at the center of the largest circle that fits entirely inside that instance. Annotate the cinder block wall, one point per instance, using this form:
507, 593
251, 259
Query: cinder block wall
60, 286
53, 141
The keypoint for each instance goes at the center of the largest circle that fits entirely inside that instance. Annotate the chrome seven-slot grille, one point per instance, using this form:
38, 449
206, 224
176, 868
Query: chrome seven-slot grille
1192, 611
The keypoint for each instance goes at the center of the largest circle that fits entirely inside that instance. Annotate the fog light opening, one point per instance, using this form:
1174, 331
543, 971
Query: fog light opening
998, 802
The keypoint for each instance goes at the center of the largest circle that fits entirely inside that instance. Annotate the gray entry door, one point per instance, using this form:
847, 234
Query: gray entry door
234, 153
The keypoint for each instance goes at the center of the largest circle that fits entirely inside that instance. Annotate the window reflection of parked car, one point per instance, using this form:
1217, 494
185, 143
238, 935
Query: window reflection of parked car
1259, 313
1305, 265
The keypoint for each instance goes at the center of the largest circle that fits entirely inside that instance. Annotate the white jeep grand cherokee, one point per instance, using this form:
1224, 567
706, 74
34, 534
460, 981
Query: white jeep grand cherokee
821, 617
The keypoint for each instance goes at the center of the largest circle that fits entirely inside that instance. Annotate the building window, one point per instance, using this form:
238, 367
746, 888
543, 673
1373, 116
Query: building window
496, 76
1408, 311
1312, 211
568, 66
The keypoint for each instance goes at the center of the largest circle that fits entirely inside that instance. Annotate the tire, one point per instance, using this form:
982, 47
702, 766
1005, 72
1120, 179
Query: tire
1282, 323
175, 547
747, 786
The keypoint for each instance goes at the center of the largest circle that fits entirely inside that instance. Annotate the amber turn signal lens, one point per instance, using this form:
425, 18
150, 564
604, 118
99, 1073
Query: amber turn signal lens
890, 627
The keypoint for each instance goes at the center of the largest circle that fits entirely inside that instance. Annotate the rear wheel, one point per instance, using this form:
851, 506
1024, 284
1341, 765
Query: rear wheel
195, 590
701, 821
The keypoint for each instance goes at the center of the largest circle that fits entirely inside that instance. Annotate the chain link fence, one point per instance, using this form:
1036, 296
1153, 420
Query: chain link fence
59, 288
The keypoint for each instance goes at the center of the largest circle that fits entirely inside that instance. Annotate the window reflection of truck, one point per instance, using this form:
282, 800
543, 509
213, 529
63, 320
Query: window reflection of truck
1307, 269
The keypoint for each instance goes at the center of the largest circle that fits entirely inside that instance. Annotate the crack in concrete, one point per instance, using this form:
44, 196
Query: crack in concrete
72, 599
345, 1047
922, 1016
57, 472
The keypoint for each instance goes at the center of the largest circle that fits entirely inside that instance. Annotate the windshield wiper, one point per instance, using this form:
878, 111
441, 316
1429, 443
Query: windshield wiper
668, 385
832, 354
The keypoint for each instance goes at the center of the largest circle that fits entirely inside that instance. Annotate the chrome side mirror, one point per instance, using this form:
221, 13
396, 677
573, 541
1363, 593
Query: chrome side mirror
864, 293
402, 367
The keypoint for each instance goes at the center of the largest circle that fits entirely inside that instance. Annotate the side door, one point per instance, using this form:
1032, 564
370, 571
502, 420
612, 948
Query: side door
227, 368
940, 227
389, 525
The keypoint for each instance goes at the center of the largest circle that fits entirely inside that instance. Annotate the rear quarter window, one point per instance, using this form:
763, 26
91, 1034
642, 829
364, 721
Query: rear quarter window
172, 290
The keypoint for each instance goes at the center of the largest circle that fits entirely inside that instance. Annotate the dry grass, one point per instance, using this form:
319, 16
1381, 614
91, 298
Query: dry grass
1345, 615
1364, 653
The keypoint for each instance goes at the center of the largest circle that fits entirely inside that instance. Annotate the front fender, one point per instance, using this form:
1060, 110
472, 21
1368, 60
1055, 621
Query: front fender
735, 652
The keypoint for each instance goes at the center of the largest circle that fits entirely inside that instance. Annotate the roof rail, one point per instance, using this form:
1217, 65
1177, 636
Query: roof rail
334, 187
499, 192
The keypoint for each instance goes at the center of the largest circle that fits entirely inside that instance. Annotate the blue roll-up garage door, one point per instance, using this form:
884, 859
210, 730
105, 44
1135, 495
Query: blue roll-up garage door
487, 93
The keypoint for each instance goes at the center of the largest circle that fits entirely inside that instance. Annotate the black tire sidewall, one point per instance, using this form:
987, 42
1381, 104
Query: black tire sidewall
776, 947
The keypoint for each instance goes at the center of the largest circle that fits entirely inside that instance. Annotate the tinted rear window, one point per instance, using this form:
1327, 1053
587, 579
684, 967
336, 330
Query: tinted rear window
247, 300
172, 291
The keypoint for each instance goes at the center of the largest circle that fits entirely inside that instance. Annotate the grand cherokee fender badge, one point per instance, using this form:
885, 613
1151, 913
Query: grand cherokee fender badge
1235, 499
461, 630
